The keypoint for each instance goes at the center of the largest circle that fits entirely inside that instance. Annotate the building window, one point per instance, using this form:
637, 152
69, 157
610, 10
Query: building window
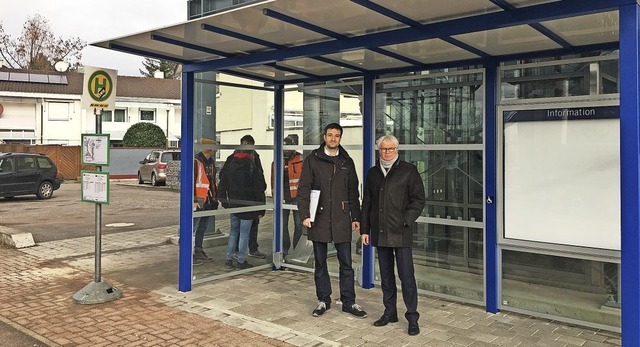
147, 116
59, 110
119, 116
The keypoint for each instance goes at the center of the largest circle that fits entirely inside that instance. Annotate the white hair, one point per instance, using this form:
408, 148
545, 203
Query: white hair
387, 138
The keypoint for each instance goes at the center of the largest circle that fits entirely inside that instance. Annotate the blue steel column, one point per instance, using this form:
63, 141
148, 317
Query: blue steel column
368, 138
278, 136
186, 186
492, 253
629, 170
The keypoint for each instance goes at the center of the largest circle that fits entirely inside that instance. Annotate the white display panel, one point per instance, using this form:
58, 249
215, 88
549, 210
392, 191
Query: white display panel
562, 177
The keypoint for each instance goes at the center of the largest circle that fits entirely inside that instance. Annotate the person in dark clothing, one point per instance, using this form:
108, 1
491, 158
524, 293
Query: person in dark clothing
393, 200
254, 250
242, 183
205, 195
330, 170
292, 171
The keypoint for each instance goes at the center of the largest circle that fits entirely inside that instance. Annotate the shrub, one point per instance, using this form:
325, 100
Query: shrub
144, 135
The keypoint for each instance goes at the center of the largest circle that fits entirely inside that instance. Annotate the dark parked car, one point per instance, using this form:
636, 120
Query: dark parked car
153, 167
28, 173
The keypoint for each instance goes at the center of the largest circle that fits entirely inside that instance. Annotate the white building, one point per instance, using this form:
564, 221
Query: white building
45, 107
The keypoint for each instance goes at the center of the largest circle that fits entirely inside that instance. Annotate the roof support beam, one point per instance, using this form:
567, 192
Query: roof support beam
489, 21
476, 61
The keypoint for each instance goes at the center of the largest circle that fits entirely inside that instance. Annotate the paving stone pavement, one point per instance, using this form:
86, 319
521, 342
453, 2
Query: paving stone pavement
261, 308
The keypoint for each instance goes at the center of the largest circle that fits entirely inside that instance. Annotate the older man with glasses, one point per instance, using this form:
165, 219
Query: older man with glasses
393, 200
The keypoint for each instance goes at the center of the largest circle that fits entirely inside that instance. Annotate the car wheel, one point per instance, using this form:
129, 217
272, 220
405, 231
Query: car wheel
140, 180
45, 191
154, 180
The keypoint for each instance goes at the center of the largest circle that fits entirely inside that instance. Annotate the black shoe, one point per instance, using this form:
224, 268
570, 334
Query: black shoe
242, 266
321, 309
414, 329
201, 255
257, 254
355, 310
197, 261
386, 319
228, 264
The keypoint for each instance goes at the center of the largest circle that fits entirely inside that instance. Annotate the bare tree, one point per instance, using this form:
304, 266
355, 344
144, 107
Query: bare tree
37, 48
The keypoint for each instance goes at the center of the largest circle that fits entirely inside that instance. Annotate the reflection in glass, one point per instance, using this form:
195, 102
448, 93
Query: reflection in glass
444, 110
581, 289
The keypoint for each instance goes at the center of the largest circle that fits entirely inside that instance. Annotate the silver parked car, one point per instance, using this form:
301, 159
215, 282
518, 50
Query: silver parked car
152, 168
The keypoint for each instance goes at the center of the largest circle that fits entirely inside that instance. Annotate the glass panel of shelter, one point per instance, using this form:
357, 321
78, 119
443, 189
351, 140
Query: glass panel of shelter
438, 119
227, 113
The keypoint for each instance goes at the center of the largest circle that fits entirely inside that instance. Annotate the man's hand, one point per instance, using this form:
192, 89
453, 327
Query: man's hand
365, 239
307, 223
355, 226
196, 206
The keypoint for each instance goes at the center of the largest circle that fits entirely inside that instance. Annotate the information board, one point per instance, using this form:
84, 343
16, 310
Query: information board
562, 176
95, 186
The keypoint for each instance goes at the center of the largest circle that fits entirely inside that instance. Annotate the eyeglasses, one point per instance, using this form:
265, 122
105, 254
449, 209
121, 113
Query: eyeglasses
388, 150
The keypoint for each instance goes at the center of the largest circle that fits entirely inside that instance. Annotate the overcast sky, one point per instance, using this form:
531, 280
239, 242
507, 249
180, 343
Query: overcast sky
94, 21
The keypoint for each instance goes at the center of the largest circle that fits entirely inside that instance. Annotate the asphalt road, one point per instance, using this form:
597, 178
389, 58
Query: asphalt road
65, 216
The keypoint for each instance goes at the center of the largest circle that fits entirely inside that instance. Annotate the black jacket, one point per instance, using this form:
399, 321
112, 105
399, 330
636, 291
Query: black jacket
392, 204
242, 184
339, 203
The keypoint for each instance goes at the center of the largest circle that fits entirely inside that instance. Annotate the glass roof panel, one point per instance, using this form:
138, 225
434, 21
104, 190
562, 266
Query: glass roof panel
420, 12
517, 39
367, 59
582, 31
269, 72
315, 67
431, 51
342, 16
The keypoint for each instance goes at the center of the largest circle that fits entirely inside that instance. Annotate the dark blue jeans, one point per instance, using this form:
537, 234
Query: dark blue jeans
321, 274
199, 227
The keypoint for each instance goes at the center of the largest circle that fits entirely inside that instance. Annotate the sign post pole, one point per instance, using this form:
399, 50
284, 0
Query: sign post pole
101, 90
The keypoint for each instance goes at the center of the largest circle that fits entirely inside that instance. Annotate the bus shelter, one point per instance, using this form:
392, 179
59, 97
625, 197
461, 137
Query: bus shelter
530, 166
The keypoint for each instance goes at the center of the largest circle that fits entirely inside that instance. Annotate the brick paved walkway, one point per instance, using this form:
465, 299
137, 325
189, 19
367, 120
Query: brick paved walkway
262, 308
37, 294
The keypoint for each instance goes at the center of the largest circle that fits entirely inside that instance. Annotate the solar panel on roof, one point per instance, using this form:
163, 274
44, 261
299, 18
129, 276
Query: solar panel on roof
18, 77
33, 77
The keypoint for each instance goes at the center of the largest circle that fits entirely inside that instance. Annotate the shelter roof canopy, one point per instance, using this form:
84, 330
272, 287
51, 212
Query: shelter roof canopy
292, 41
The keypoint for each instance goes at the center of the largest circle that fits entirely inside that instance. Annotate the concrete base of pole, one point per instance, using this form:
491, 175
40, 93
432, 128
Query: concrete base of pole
96, 293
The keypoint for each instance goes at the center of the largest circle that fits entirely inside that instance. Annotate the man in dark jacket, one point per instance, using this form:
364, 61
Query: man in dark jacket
242, 183
330, 170
393, 200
